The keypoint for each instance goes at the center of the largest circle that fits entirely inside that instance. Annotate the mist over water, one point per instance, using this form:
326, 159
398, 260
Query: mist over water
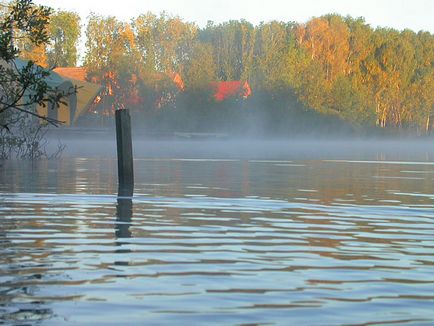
283, 172
318, 232
298, 148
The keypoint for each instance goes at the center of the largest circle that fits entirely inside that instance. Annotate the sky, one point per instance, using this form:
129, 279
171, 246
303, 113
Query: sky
399, 14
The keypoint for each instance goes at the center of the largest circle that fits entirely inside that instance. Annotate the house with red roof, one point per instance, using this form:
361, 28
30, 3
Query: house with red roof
226, 89
78, 103
77, 73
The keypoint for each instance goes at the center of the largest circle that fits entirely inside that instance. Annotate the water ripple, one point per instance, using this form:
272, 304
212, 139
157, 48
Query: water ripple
169, 258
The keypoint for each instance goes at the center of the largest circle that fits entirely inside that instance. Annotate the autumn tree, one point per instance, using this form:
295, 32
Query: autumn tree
110, 59
331, 66
421, 96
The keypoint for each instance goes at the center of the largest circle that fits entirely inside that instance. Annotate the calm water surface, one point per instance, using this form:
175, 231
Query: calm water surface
233, 242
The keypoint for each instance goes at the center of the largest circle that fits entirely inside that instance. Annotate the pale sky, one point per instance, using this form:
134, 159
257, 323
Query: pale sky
399, 14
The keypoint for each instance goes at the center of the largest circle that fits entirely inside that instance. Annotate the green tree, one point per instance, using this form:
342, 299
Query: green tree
23, 85
233, 45
164, 42
392, 71
64, 33
273, 43
200, 71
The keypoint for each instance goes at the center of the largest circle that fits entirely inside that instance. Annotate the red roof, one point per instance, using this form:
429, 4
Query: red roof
177, 80
226, 89
77, 73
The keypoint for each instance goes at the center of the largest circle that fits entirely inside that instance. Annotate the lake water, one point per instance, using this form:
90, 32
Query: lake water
233, 239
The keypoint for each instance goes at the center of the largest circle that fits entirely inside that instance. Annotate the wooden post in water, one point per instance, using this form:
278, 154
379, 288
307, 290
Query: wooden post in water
124, 213
125, 153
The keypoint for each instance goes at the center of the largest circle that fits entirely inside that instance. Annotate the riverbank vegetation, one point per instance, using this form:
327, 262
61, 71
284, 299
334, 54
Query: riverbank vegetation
330, 70
329, 74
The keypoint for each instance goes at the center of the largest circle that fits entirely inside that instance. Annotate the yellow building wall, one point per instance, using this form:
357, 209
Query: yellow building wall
62, 113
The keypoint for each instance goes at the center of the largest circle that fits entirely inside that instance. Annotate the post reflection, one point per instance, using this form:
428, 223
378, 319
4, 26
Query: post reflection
124, 212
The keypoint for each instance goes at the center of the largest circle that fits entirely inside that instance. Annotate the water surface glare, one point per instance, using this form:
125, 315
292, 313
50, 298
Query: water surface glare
230, 242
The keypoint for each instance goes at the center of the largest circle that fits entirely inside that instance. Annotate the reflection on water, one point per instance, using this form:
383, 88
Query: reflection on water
124, 213
217, 241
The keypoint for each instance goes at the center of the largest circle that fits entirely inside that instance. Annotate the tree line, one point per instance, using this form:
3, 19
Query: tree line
330, 69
